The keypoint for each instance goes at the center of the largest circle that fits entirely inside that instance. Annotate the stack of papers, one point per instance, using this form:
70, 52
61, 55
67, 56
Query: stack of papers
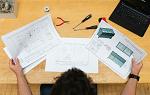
114, 49
31, 42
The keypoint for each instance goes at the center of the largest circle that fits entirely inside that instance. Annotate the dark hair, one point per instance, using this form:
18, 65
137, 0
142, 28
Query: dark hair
73, 82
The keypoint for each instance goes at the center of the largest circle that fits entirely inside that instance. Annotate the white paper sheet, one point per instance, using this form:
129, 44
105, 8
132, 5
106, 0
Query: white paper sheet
33, 41
114, 49
33, 65
71, 53
29, 67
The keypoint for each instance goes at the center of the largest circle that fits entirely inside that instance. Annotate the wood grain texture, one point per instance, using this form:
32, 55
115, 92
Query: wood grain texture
103, 89
115, 89
74, 11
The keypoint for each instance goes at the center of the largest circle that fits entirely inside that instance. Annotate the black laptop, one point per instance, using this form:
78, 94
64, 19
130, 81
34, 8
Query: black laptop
133, 15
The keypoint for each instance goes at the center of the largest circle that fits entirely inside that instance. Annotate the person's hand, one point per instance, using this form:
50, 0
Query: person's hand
15, 66
136, 67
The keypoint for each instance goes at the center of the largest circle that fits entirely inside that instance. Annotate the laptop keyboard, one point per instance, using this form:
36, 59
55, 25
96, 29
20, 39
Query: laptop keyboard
127, 12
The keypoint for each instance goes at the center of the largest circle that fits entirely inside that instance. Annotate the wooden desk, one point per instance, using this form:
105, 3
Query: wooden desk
74, 11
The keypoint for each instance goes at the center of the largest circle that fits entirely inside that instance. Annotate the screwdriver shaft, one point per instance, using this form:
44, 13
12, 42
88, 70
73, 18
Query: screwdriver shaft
77, 25
79, 29
85, 19
88, 28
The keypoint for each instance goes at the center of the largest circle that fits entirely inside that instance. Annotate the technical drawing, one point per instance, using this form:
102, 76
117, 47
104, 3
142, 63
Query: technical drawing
116, 58
124, 49
69, 55
31, 42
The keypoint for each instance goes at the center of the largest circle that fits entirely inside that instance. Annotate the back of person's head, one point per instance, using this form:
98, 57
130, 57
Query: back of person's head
73, 82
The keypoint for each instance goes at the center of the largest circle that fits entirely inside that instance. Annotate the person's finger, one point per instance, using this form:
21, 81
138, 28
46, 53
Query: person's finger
140, 65
16, 61
133, 62
11, 63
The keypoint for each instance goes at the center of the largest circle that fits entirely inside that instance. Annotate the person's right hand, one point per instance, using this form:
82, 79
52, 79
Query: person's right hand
136, 67
15, 66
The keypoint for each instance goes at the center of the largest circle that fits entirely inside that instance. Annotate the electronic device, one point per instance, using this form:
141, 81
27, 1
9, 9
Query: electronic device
105, 33
133, 15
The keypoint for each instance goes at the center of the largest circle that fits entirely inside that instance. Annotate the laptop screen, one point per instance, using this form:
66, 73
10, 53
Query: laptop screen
140, 5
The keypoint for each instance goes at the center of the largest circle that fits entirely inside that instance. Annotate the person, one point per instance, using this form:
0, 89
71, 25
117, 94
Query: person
73, 82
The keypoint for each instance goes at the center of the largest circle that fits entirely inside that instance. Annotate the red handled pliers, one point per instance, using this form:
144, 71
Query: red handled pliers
62, 21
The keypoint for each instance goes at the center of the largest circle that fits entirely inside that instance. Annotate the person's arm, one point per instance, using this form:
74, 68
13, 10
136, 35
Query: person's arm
130, 88
23, 88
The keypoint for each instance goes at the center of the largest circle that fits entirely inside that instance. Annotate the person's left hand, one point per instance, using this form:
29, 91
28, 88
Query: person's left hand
15, 66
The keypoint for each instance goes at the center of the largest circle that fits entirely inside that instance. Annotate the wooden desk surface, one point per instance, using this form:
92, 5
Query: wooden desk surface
74, 11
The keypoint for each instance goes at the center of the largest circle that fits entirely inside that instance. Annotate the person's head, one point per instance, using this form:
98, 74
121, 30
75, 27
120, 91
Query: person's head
73, 82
